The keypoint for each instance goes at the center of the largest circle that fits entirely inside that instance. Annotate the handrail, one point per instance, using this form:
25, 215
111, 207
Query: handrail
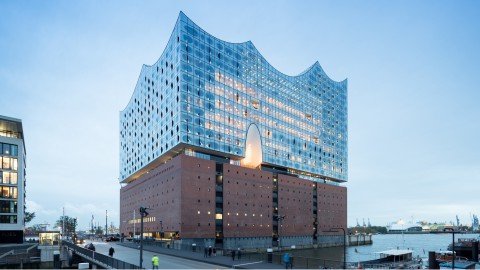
33, 246
6, 254
99, 257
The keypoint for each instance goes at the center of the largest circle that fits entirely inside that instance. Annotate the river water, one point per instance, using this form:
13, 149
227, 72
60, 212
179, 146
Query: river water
421, 244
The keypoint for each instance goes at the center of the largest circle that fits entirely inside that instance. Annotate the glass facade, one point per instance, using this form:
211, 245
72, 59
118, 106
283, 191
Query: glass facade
204, 94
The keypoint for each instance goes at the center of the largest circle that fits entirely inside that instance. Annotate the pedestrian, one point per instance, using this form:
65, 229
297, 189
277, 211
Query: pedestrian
239, 254
214, 251
91, 247
205, 252
210, 251
155, 262
287, 260
233, 255
111, 251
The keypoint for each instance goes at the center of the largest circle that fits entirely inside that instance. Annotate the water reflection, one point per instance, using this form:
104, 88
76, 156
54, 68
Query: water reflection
421, 244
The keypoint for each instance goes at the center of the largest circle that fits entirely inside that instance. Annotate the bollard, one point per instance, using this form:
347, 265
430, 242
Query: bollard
432, 260
56, 260
269, 255
83, 266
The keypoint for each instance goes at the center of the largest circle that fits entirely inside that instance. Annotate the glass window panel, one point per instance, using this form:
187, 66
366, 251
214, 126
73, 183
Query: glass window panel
13, 192
6, 163
6, 177
13, 178
14, 164
5, 192
6, 149
14, 149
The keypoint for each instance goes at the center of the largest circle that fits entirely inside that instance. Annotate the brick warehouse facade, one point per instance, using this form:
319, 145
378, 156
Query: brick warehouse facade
187, 194
225, 149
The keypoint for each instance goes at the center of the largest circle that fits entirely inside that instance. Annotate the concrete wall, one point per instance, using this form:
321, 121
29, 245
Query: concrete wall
247, 242
330, 240
287, 241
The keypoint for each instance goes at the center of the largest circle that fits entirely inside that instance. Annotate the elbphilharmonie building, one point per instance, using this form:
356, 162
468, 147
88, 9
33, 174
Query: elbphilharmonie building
227, 150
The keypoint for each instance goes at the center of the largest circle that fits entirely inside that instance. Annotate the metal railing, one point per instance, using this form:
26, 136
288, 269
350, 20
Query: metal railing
25, 254
260, 255
96, 257
308, 262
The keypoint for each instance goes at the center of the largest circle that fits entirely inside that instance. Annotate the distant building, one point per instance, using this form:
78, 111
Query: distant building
398, 228
12, 180
227, 150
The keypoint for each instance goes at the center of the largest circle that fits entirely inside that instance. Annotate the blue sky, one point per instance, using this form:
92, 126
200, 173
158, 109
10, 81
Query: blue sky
68, 67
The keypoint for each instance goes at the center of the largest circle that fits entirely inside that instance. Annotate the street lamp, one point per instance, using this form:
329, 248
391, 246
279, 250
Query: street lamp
279, 219
143, 213
344, 244
452, 231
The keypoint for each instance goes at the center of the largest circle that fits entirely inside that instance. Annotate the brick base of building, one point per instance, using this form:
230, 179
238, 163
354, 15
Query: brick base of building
208, 202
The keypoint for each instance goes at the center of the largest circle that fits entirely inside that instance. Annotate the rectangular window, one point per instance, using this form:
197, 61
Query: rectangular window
13, 178
13, 192
8, 219
8, 207
14, 150
5, 192
14, 164
9, 192
6, 163
6, 178
6, 149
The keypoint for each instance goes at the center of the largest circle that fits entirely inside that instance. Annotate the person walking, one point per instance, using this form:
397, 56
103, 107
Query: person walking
210, 251
214, 251
239, 254
205, 252
155, 262
91, 247
233, 255
111, 251
287, 260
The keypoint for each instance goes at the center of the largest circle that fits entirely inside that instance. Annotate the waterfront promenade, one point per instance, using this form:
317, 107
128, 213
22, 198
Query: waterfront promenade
131, 255
178, 259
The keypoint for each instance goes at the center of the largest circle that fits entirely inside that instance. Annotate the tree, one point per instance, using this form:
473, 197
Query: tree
34, 229
29, 216
70, 224
99, 230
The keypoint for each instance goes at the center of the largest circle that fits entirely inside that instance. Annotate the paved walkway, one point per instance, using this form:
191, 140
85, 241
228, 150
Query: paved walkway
225, 261
165, 261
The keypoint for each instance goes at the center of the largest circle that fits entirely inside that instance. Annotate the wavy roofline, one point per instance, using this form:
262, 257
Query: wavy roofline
305, 72
144, 66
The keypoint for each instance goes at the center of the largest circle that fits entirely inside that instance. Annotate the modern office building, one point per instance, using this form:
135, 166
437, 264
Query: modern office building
12, 180
226, 149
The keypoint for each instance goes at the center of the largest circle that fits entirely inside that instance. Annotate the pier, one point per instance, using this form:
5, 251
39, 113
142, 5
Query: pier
359, 239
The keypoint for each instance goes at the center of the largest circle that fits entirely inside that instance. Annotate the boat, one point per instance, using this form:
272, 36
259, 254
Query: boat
467, 247
394, 258
458, 265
